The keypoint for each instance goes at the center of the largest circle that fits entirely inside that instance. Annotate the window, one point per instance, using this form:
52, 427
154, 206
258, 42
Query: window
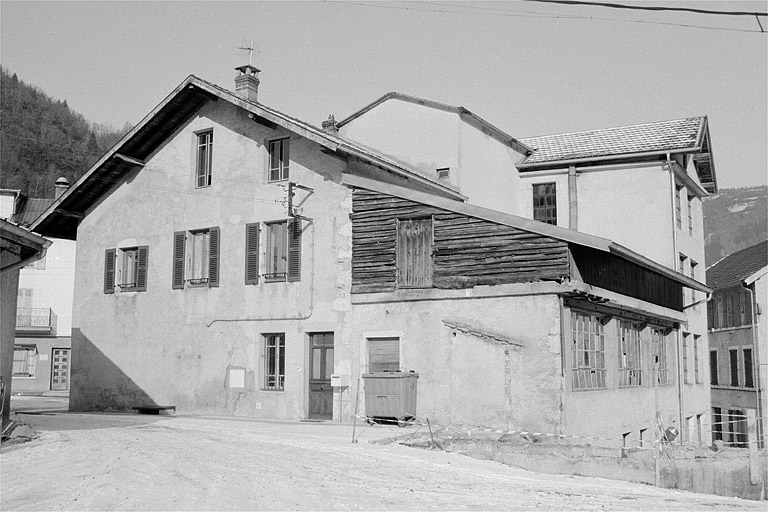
717, 424
126, 269
693, 276
734, 366
279, 158
274, 361
383, 354
743, 308
690, 215
748, 380
283, 250
696, 339
414, 253
729, 311
685, 357
545, 203
443, 173
196, 258
630, 358
252, 232
678, 209
713, 374
587, 351
204, 158
24, 360
720, 322
660, 347
737, 428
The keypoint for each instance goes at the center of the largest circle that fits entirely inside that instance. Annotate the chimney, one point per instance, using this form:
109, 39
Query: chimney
61, 185
247, 82
330, 126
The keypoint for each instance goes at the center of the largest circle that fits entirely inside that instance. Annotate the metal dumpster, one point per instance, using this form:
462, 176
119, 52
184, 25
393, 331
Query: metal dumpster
390, 396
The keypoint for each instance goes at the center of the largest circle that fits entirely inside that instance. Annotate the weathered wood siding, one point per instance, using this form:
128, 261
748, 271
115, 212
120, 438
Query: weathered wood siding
608, 271
467, 251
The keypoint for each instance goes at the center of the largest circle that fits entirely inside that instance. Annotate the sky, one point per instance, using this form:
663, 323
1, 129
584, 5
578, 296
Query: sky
529, 68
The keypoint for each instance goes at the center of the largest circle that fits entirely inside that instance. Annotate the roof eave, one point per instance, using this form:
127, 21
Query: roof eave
604, 158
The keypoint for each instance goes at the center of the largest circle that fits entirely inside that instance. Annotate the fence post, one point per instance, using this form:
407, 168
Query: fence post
754, 462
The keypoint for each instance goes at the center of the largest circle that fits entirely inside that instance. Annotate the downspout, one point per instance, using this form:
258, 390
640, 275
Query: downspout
756, 357
573, 209
675, 253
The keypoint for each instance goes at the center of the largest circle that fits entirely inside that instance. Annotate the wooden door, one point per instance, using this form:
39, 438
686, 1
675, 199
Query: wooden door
60, 369
320, 370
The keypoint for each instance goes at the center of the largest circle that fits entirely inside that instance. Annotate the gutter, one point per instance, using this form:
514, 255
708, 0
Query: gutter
536, 165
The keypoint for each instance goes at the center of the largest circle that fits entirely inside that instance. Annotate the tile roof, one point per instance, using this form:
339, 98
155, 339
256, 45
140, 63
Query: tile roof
31, 210
673, 135
738, 266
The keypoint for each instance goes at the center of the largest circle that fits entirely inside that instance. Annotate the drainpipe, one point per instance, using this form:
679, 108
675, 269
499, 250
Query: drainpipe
573, 210
680, 384
756, 357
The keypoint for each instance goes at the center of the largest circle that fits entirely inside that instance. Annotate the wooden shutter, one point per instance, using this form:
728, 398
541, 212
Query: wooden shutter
109, 271
213, 257
179, 241
294, 250
252, 253
141, 268
383, 354
414, 253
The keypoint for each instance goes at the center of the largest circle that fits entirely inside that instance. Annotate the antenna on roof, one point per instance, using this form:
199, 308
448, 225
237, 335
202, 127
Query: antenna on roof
250, 52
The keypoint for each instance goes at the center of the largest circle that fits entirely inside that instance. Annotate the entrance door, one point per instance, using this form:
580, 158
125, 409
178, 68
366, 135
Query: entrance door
320, 370
60, 369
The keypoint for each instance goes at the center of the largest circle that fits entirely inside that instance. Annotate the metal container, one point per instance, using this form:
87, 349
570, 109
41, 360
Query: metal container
390, 395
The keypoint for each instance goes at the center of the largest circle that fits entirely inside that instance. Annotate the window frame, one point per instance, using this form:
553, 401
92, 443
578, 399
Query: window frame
678, 206
749, 375
27, 362
630, 354
203, 169
282, 166
273, 361
660, 343
545, 212
734, 367
183, 259
115, 270
588, 346
714, 370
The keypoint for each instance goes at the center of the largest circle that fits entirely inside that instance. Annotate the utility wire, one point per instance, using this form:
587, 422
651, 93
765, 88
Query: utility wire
650, 7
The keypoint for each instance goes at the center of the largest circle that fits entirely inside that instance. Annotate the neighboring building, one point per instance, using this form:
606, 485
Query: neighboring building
225, 265
44, 307
18, 247
738, 353
640, 186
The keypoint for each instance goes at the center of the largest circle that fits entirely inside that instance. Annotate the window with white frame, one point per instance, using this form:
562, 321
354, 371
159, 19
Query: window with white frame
277, 250
630, 356
279, 158
696, 345
678, 208
274, 361
204, 159
690, 215
587, 351
686, 337
197, 258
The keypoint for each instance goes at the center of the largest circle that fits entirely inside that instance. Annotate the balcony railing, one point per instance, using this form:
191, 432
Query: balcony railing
36, 320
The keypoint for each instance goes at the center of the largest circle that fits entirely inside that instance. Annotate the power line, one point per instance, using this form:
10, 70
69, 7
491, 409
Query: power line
650, 7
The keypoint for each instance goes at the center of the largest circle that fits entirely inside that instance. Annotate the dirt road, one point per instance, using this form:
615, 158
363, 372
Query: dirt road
136, 462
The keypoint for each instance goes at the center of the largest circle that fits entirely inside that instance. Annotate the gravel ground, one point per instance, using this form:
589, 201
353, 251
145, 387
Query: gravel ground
138, 462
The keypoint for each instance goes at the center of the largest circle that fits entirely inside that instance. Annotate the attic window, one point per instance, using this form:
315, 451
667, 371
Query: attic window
443, 172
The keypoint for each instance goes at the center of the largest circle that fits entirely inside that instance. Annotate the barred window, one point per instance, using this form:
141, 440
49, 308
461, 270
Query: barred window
274, 361
588, 351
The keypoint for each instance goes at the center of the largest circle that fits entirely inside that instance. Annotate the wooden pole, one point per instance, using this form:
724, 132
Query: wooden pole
657, 448
357, 406
754, 462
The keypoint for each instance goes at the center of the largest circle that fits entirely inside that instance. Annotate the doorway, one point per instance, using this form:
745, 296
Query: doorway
320, 370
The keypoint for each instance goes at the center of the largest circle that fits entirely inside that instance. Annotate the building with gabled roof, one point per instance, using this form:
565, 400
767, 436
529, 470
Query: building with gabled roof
738, 348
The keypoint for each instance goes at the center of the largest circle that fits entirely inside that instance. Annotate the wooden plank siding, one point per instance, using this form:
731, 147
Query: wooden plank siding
466, 251
618, 275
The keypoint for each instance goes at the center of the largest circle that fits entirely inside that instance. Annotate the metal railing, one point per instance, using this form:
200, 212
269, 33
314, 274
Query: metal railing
36, 320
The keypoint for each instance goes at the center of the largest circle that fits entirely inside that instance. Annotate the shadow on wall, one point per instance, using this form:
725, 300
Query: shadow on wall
98, 384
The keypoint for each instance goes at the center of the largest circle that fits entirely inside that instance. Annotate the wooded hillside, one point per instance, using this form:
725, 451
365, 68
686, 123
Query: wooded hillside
42, 139
734, 219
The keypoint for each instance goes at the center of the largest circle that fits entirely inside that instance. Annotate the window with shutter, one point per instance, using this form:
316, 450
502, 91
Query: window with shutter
179, 242
252, 253
109, 271
213, 262
414, 253
383, 354
141, 268
294, 250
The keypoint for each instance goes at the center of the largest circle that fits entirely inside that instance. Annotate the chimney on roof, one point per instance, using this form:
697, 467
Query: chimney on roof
247, 82
61, 185
330, 126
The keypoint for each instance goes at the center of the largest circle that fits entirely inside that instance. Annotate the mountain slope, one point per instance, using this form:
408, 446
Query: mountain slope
734, 219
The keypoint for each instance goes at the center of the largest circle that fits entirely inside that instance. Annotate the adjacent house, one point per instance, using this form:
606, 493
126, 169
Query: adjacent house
231, 258
737, 342
44, 304
18, 247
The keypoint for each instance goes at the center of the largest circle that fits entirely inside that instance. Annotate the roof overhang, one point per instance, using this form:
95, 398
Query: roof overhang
754, 277
31, 247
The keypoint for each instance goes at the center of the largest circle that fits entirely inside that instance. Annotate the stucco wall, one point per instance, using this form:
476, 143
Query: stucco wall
9, 281
177, 347
41, 382
465, 379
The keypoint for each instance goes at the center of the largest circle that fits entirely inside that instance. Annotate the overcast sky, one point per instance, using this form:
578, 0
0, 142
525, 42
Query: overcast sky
527, 67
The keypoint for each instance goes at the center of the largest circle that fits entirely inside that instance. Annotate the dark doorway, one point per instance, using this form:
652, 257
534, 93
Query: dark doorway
320, 370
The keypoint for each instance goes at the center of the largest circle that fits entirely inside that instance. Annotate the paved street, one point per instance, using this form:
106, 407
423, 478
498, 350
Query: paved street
137, 462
